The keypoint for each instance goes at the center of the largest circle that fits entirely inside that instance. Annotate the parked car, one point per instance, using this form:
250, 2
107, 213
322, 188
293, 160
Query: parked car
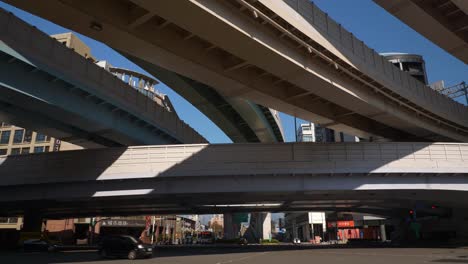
39, 245
243, 241
296, 241
124, 246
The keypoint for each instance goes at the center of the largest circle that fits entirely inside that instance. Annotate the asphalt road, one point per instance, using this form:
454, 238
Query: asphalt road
256, 256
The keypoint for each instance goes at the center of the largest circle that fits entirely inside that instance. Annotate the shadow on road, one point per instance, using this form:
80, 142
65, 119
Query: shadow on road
91, 256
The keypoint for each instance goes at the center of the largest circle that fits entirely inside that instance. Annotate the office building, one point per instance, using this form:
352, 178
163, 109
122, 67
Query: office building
310, 132
16, 140
305, 226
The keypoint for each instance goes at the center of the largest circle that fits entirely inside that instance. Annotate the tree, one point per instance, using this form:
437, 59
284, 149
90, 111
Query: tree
217, 228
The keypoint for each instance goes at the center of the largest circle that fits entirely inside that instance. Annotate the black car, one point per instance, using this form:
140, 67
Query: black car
39, 245
124, 246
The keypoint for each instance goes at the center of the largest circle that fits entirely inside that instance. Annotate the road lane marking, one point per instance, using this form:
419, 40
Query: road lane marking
379, 254
241, 259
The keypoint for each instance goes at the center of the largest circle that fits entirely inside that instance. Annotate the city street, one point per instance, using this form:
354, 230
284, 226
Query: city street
267, 255
233, 131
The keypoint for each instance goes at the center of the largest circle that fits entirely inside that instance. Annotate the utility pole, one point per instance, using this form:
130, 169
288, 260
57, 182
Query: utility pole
153, 220
295, 127
93, 224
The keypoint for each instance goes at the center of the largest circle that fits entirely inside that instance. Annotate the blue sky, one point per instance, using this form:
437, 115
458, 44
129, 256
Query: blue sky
377, 28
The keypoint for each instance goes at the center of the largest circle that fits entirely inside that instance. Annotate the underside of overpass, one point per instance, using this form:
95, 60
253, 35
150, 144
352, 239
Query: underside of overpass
444, 22
241, 120
375, 203
287, 55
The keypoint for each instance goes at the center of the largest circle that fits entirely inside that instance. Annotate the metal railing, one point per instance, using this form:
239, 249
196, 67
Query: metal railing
419, 98
143, 84
455, 91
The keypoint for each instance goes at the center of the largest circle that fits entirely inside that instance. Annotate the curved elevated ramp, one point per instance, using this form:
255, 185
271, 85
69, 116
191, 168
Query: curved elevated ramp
287, 55
49, 88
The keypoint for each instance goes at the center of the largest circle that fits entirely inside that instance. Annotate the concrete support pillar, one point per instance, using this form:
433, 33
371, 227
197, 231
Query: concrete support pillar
266, 226
230, 231
383, 234
460, 222
33, 226
32, 222
307, 231
400, 229
294, 229
261, 225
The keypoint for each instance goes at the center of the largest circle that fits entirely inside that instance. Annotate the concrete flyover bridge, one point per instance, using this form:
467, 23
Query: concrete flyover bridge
381, 178
444, 22
287, 55
48, 87
242, 120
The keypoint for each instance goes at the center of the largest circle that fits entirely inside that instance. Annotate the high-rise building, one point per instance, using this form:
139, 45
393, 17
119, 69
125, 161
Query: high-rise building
306, 133
16, 140
305, 226
411, 63
72, 41
310, 132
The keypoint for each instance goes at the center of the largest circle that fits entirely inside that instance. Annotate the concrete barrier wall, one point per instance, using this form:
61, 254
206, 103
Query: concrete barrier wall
235, 160
44, 52
374, 65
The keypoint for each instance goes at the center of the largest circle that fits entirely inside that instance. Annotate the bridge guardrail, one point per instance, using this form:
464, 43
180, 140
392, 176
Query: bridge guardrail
235, 159
399, 82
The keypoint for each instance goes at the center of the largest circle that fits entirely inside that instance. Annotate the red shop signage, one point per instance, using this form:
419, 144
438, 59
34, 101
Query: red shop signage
341, 224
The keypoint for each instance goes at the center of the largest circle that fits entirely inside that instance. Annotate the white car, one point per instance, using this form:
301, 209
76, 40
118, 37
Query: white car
296, 241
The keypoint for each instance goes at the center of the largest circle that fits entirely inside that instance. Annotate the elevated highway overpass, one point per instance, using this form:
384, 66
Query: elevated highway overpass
383, 178
241, 120
287, 55
48, 87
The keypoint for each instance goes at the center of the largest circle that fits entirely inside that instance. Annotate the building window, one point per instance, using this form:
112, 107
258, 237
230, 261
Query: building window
3, 152
41, 137
38, 149
18, 136
28, 136
47, 149
5, 137
307, 138
8, 220
25, 150
15, 151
